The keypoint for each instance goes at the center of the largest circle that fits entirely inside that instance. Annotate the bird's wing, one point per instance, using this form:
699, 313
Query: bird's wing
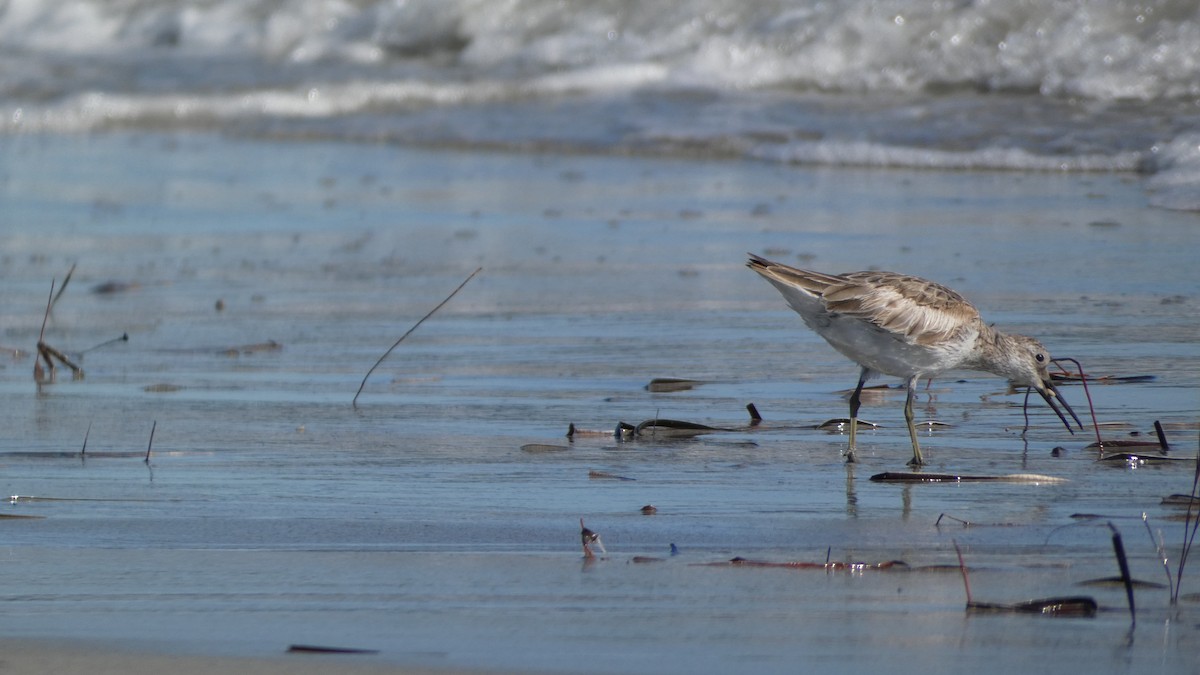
920, 311
814, 283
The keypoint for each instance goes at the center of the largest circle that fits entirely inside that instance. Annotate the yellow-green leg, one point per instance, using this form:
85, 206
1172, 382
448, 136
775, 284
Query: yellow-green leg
855, 400
916, 460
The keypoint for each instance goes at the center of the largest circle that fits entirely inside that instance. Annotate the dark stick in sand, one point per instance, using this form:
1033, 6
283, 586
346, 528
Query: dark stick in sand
1123, 563
354, 402
37, 368
83, 450
1162, 437
1189, 532
151, 443
962, 567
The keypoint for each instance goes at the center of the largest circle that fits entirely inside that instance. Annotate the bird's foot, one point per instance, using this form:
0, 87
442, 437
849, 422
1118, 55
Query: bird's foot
916, 462
851, 458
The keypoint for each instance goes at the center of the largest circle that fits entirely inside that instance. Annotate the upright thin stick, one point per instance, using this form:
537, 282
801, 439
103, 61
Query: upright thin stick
49, 303
62, 289
1189, 531
354, 402
962, 567
151, 443
1123, 563
1161, 549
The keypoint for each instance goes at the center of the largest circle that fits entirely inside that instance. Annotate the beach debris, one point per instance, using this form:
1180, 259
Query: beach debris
649, 510
1104, 582
967, 523
755, 418
113, 287
843, 423
1136, 459
268, 346
542, 447
48, 353
964, 523
588, 538
919, 477
664, 428
162, 388
123, 338
1066, 606
318, 649
1162, 436
828, 565
669, 384
1067, 376
621, 431
604, 475
1160, 442
354, 401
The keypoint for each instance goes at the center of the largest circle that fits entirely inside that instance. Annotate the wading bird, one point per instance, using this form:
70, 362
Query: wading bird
908, 327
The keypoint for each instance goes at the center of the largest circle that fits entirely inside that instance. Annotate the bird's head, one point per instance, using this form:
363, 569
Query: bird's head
1028, 365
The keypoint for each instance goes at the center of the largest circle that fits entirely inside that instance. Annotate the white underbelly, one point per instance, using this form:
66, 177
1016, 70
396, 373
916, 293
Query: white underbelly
883, 352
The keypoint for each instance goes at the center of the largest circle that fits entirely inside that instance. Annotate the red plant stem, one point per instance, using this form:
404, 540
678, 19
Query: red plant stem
1091, 408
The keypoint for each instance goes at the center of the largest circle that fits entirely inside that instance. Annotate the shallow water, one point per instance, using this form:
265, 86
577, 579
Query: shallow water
273, 512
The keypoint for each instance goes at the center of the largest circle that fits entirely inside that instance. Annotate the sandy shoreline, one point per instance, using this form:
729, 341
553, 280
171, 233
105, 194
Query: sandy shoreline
70, 657
274, 512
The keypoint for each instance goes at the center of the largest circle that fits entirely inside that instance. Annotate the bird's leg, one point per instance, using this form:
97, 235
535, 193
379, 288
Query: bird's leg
916, 460
855, 400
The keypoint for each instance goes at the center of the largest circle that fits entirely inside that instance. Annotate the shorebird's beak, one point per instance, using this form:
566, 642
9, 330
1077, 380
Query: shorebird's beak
1049, 394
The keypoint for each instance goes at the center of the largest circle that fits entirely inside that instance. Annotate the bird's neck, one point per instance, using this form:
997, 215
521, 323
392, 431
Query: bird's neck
993, 345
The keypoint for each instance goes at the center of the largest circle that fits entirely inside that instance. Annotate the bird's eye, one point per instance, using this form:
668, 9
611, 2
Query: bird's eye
1041, 358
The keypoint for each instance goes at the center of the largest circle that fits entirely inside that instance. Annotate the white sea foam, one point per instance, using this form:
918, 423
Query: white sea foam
835, 153
1055, 47
1176, 184
1108, 83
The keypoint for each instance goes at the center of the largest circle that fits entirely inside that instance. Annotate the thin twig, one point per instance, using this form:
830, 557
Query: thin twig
1189, 531
1161, 549
62, 289
49, 302
83, 450
962, 567
151, 443
124, 338
354, 402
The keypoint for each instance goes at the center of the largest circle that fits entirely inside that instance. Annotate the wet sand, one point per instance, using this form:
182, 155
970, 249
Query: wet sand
80, 658
272, 512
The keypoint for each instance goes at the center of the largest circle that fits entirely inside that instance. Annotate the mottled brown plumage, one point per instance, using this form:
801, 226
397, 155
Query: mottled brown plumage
909, 327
